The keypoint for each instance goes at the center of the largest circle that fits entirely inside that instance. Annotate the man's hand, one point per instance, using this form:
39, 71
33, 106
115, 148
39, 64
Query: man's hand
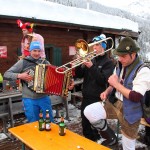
71, 85
25, 76
88, 64
103, 95
113, 80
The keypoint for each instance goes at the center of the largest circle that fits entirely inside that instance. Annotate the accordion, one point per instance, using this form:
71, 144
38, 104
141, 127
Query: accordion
47, 80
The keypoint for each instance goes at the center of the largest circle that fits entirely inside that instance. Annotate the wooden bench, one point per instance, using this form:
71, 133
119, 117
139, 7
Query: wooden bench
7, 111
55, 100
17, 107
76, 95
4, 117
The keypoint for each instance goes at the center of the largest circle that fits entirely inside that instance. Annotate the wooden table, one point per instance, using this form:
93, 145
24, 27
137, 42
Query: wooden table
29, 135
9, 97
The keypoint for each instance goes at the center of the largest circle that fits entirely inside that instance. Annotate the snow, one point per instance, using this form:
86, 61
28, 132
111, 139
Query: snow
2, 136
45, 10
136, 7
148, 56
75, 117
115, 3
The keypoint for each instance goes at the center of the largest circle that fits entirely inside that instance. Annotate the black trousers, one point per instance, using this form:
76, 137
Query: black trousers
147, 131
88, 131
1, 87
147, 135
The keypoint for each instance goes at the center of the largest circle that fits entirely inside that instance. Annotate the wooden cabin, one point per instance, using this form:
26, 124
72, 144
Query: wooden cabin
59, 37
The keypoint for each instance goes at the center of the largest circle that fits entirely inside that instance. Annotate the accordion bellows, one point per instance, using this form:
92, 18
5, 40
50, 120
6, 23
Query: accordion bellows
47, 80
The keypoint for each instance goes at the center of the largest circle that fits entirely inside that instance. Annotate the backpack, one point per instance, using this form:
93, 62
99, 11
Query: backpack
146, 104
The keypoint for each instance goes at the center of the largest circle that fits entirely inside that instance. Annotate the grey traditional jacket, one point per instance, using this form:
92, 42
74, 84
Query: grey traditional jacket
20, 67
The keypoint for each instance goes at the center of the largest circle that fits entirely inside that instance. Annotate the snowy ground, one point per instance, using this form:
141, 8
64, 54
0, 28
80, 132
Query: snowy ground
74, 124
74, 116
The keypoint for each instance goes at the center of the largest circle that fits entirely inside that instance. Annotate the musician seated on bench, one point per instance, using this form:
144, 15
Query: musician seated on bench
32, 102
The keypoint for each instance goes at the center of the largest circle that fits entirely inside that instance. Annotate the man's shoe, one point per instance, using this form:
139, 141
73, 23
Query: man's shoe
147, 140
100, 141
109, 142
109, 136
105, 142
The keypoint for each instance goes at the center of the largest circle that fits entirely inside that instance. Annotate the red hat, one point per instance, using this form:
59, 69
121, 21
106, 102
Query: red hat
27, 25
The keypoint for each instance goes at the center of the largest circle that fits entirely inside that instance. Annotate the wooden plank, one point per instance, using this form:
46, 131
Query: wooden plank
55, 100
29, 133
77, 94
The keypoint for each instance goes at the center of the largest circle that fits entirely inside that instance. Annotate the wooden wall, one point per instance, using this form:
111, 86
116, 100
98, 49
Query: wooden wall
11, 35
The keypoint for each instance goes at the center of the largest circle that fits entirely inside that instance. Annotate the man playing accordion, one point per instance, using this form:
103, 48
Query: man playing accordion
32, 102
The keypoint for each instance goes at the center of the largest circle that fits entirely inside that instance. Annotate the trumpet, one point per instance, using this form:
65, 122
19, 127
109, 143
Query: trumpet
84, 51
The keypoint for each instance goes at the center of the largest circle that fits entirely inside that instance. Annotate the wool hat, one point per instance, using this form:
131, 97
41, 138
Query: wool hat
27, 25
35, 45
126, 46
100, 37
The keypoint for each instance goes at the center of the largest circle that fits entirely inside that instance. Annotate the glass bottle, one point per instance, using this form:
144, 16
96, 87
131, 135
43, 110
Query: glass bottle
17, 84
47, 121
62, 126
7, 86
41, 121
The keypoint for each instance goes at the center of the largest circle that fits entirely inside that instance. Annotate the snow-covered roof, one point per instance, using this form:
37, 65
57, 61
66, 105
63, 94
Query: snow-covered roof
49, 11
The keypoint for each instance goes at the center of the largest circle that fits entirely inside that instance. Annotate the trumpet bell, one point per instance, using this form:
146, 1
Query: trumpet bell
81, 47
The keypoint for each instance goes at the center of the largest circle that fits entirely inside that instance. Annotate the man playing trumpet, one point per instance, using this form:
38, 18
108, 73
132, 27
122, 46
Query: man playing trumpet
95, 73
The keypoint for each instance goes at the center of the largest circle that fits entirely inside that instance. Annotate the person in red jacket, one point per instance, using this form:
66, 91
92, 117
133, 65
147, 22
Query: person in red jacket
28, 37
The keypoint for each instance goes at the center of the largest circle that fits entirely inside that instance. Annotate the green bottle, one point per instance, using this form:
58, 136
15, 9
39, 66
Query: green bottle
41, 121
62, 126
47, 121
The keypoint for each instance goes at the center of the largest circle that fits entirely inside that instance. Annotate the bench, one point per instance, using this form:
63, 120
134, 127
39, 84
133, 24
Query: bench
17, 107
77, 94
5, 113
55, 100
3, 117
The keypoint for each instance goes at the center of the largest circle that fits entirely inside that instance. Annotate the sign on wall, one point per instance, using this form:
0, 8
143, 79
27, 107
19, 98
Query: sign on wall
72, 50
3, 51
